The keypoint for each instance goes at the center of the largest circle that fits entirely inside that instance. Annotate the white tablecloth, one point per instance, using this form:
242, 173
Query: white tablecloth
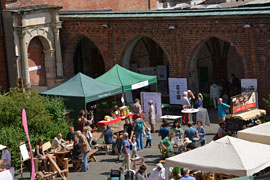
7, 174
203, 116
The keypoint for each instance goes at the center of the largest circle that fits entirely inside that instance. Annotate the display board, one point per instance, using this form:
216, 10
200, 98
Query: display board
155, 97
161, 73
248, 85
24, 152
176, 88
243, 102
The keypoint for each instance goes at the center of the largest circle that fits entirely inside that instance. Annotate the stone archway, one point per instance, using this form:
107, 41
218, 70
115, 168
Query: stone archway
88, 59
214, 60
144, 55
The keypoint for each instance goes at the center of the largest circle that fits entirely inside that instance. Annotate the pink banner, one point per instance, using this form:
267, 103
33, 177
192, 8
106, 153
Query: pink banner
24, 122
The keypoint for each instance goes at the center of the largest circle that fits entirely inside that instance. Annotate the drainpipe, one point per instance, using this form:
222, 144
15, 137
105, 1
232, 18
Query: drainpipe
149, 4
4, 50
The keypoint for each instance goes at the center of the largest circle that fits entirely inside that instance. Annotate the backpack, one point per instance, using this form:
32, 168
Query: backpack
139, 126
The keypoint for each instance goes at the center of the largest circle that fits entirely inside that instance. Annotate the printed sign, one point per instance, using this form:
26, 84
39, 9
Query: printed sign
243, 102
155, 97
248, 85
176, 88
139, 85
24, 152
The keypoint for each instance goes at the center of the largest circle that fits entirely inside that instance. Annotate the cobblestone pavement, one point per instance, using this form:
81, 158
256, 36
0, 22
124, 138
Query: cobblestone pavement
100, 170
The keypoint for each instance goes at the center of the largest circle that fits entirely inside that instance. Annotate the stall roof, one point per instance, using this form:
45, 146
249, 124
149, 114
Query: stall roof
228, 155
259, 133
127, 79
85, 87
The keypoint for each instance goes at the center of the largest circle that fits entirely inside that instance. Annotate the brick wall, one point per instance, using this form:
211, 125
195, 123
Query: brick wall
252, 44
3, 78
115, 5
35, 51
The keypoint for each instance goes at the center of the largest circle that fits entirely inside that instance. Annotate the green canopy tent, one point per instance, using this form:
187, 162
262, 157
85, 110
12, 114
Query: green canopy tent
81, 89
127, 79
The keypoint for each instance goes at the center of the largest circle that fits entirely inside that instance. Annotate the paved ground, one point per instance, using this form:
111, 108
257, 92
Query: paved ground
100, 170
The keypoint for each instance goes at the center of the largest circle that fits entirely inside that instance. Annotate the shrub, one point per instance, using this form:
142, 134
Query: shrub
267, 102
44, 116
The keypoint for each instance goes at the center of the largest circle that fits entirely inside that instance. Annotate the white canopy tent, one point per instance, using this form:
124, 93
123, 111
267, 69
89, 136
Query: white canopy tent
228, 155
259, 133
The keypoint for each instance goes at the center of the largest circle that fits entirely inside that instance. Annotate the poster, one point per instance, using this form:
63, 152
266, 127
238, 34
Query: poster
176, 88
24, 152
243, 102
155, 97
161, 73
248, 85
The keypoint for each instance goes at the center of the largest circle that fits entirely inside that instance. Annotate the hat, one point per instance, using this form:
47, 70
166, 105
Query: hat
159, 165
2, 147
187, 140
150, 101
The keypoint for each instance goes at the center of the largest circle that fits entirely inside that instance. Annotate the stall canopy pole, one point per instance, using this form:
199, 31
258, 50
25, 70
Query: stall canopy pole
123, 99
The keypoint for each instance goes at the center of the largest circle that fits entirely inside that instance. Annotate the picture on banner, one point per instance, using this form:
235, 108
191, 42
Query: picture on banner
155, 97
248, 85
176, 88
243, 102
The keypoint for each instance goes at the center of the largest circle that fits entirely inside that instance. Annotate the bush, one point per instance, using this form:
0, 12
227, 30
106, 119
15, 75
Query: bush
44, 116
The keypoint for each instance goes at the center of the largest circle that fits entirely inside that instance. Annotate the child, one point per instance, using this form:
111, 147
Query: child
118, 146
148, 138
134, 152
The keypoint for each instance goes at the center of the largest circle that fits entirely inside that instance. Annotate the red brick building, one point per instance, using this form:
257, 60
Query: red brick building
200, 45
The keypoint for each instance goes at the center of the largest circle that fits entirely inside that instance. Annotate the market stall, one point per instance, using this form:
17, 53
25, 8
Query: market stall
260, 133
127, 79
82, 89
244, 112
229, 155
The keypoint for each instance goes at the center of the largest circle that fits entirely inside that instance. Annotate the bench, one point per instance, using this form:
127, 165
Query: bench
45, 147
103, 147
90, 156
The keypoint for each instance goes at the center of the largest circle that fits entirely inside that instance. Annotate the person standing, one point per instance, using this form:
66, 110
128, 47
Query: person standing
176, 128
158, 173
164, 130
140, 174
81, 120
148, 138
152, 118
167, 144
138, 126
215, 93
222, 107
199, 102
201, 133
136, 107
190, 97
128, 127
186, 175
186, 105
84, 148
191, 133
134, 152
125, 152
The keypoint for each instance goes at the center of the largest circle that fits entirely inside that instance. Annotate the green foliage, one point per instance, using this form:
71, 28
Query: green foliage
44, 116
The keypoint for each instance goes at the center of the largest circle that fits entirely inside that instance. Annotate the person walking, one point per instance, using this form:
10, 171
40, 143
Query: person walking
84, 148
152, 118
148, 138
136, 109
138, 126
125, 152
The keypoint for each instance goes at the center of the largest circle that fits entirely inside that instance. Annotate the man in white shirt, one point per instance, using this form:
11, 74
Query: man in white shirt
57, 141
6, 157
158, 173
186, 105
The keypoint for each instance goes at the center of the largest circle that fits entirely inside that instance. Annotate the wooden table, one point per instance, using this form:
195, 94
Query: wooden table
60, 155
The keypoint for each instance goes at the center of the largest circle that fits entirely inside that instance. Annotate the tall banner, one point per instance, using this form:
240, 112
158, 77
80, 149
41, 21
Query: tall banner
176, 88
24, 122
243, 102
155, 97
